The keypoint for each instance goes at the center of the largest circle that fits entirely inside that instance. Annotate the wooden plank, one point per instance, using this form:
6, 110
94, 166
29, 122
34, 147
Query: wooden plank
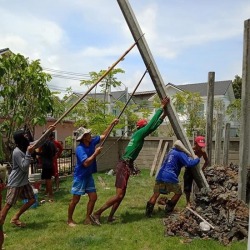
156, 158
163, 154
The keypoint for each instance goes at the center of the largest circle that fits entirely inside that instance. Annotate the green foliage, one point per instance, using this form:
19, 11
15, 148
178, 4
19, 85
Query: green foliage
128, 116
237, 86
1, 148
25, 98
219, 107
234, 110
189, 105
108, 81
93, 113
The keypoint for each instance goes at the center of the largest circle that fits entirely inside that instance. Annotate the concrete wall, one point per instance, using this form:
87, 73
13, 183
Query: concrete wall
114, 148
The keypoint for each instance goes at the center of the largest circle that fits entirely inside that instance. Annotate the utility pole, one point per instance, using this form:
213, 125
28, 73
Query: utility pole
245, 115
159, 84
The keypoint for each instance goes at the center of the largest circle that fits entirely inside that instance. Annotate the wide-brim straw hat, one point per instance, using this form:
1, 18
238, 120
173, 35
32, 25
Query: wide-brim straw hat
81, 132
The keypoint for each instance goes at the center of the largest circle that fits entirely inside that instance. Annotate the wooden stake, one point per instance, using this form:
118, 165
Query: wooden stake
195, 213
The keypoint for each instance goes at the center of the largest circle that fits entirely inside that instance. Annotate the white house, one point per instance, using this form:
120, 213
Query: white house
223, 92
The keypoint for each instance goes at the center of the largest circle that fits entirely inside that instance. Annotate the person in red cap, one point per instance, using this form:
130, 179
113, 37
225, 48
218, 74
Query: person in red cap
199, 150
126, 165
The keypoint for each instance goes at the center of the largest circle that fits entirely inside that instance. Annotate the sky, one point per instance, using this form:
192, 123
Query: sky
188, 39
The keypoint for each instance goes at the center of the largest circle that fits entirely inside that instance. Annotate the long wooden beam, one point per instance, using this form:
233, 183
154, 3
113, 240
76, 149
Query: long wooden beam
159, 84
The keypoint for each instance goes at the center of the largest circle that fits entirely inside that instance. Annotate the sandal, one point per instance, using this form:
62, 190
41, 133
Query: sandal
95, 220
18, 223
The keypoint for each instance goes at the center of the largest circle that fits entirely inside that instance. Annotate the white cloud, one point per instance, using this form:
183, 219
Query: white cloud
84, 36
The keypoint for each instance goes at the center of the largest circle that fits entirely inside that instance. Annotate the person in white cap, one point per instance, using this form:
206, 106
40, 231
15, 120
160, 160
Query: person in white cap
83, 181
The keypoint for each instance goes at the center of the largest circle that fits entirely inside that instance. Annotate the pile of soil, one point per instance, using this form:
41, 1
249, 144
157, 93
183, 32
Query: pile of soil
220, 207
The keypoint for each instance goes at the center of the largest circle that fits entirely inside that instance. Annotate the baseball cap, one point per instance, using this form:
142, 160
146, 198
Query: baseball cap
81, 132
141, 123
200, 140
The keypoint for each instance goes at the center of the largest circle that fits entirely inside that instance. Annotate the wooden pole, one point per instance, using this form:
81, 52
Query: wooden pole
43, 138
209, 114
218, 135
159, 85
244, 153
112, 126
248, 244
195, 213
226, 144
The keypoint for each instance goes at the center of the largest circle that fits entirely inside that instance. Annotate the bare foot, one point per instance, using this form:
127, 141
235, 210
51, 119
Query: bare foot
87, 222
71, 223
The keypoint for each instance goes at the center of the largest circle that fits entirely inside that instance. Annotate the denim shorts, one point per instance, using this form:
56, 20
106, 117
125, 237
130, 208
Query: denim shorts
86, 185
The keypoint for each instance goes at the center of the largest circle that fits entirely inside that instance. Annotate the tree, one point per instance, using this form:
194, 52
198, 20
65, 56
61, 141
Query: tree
25, 99
109, 81
189, 105
237, 86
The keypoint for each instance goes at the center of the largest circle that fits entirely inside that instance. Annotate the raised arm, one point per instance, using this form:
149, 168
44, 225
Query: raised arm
107, 130
165, 101
159, 116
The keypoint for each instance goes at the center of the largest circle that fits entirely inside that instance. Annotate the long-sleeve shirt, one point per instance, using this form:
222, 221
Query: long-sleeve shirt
20, 169
171, 167
137, 140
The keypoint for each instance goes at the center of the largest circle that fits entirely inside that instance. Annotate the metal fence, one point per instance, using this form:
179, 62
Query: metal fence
65, 163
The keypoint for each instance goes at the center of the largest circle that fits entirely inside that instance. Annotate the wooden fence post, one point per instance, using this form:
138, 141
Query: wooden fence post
157, 155
226, 144
209, 115
218, 135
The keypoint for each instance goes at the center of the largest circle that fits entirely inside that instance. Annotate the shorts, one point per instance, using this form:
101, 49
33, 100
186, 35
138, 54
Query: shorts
80, 187
24, 192
122, 175
188, 180
166, 188
47, 173
55, 168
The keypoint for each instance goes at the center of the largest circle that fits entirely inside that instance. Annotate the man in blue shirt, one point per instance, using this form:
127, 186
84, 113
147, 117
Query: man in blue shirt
167, 179
83, 181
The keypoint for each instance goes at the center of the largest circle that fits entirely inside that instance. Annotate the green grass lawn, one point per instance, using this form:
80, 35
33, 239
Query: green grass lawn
47, 229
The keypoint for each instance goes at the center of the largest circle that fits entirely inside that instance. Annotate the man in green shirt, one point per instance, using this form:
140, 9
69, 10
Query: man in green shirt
125, 166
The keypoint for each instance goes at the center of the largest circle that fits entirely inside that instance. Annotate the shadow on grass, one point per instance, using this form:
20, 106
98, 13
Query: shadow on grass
138, 214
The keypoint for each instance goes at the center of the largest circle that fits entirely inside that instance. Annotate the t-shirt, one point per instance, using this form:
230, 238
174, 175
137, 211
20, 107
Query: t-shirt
171, 167
20, 169
48, 152
83, 152
137, 140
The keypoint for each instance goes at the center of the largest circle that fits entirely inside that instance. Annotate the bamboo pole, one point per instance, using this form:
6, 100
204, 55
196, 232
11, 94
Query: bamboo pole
41, 140
195, 213
112, 126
